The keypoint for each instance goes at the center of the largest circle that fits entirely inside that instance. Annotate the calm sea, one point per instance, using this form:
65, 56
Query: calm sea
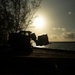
60, 45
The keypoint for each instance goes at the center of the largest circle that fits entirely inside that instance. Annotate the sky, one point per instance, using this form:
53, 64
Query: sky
59, 20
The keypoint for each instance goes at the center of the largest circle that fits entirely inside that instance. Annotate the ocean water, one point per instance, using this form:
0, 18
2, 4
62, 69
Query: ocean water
60, 45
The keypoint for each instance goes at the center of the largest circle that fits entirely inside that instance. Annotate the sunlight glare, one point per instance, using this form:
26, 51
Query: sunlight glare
39, 22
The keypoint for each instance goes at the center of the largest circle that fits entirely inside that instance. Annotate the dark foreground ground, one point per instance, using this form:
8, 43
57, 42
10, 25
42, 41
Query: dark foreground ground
39, 62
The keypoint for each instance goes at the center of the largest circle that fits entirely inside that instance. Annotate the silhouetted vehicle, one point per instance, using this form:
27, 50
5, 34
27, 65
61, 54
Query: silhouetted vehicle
20, 42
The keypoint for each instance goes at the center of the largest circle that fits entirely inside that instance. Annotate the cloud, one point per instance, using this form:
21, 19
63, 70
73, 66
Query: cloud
64, 36
60, 29
69, 12
55, 38
68, 35
64, 29
56, 28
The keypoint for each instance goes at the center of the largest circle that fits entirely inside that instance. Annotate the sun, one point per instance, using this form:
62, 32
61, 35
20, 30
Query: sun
39, 22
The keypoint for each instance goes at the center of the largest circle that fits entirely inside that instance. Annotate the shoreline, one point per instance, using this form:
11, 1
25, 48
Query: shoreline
58, 50
51, 53
40, 52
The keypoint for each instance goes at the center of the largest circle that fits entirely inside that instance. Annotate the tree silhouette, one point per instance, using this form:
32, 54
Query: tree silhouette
16, 15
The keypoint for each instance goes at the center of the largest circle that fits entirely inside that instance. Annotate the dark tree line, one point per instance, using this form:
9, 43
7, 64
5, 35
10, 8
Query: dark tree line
16, 15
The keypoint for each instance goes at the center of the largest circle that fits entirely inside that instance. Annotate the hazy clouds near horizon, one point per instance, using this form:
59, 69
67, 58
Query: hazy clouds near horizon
60, 18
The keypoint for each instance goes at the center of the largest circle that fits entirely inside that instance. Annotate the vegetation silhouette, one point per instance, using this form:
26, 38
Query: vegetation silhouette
15, 16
